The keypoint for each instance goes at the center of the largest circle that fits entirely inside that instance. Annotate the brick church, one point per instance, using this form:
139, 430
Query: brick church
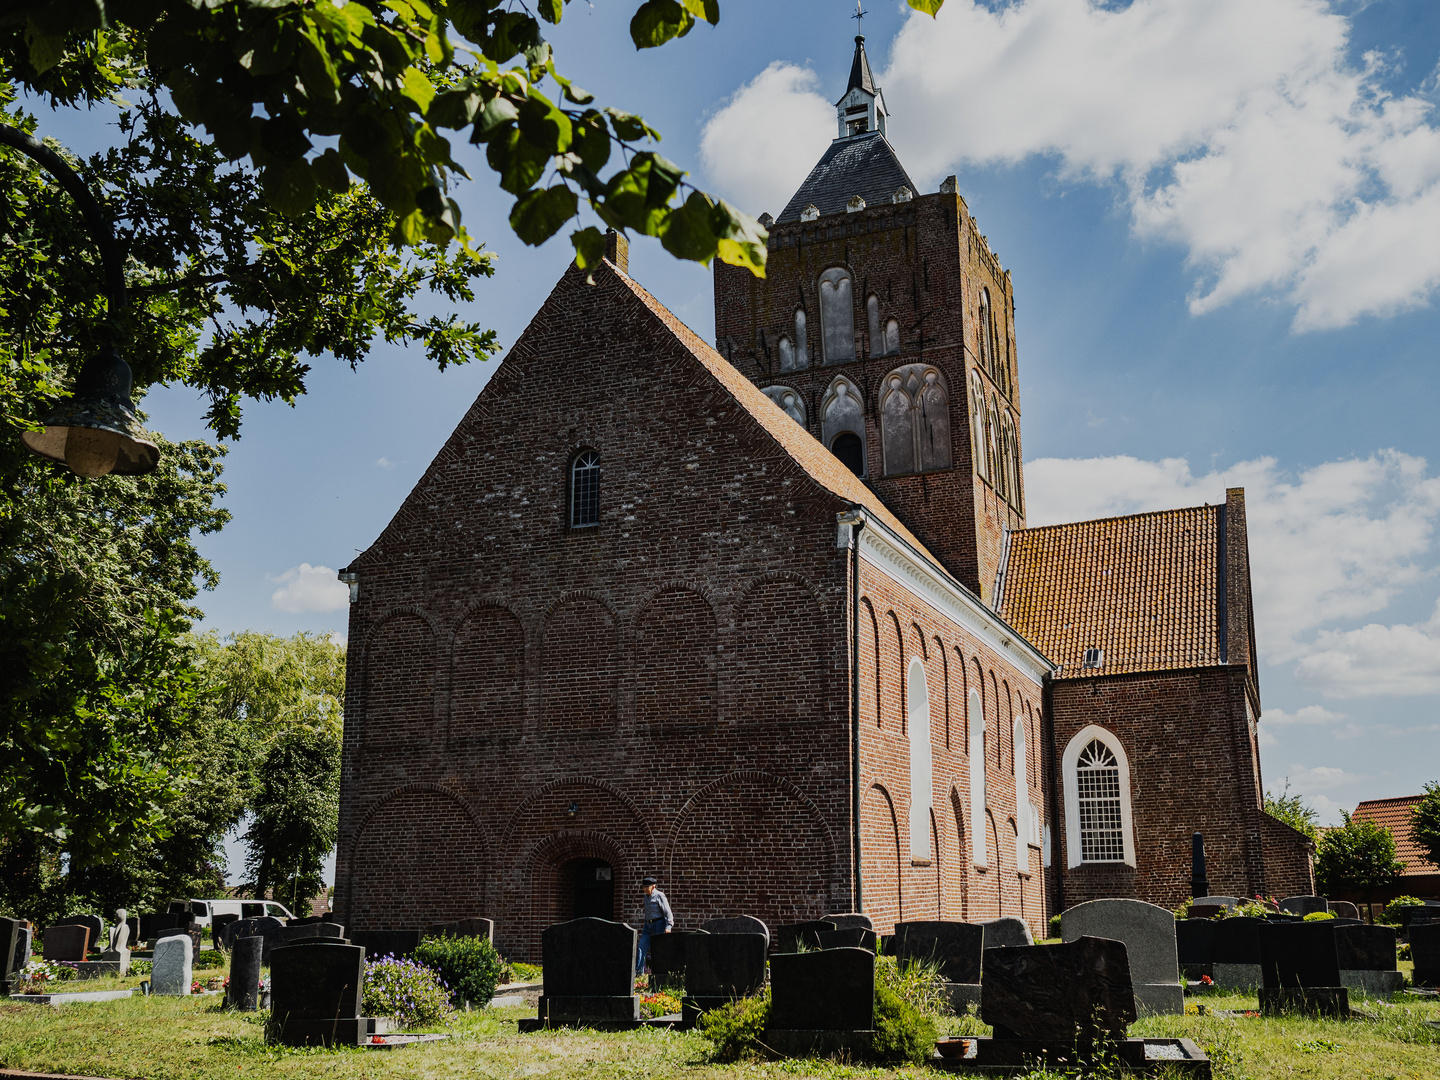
764, 619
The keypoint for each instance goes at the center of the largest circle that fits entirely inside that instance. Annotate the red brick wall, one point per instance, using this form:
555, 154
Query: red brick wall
926, 263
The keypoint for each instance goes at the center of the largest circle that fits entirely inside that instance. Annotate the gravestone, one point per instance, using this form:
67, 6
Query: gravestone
850, 937
1425, 952
293, 935
217, 927
1149, 936
1007, 932
955, 946
668, 953
24, 946
1060, 1003
192, 931
847, 920
1366, 955
10, 941
397, 943
720, 968
737, 924
588, 971
1343, 909
473, 927
1237, 953
172, 963
1230, 902
243, 993
316, 988
152, 926
1304, 905
790, 938
1300, 969
1195, 947
66, 941
137, 940
821, 1002
93, 923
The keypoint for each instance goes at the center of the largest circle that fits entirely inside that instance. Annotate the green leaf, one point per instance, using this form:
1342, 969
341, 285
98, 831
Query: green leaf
657, 21
551, 10
46, 51
289, 188
519, 163
928, 7
687, 231
628, 127
539, 215
283, 139
589, 247
417, 88
330, 172
545, 126
741, 240
709, 10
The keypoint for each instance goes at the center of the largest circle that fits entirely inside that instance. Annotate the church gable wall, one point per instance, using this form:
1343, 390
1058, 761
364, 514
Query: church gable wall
698, 629
945, 883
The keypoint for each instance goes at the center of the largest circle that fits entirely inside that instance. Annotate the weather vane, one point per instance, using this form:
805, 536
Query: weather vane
860, 13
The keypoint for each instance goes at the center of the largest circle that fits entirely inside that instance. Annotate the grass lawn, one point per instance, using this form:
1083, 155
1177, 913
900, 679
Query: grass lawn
194, 1039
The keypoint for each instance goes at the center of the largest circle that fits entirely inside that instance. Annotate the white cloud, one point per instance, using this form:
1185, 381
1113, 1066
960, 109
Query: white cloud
1309, 714
385, 463
1328, 546
307, 589
1238, 129
761, 144
1321, 778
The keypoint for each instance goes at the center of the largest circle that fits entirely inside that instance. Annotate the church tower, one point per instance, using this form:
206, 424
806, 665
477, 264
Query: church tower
885, 326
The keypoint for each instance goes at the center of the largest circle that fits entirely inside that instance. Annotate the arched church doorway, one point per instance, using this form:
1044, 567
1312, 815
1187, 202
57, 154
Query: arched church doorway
591, 885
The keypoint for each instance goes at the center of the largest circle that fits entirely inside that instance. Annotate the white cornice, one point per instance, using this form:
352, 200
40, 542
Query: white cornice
883, 549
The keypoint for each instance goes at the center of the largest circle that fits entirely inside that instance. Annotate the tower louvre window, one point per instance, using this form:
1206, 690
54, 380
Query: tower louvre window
585, 490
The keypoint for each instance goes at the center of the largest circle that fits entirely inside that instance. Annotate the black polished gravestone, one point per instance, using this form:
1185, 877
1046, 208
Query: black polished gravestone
1195, 946
10, 941
737, 924
1300, 970
849, 937
266, 927
849, 920
667, 959
719, 968
293, 935
588, 970
397, 943
1425, 952
1237, 953
193, 932
795, 936
152, 926
1007, 932
956, 947
821, 1002
1058, 1004
316, 988
472, 927
242, 990
217, 928
1367, 958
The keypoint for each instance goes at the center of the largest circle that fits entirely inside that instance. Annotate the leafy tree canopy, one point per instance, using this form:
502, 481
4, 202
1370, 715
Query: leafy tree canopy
1292, 810
1425, 823
1358, 856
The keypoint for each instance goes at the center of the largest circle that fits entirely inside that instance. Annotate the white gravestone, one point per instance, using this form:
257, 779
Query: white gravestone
171, 974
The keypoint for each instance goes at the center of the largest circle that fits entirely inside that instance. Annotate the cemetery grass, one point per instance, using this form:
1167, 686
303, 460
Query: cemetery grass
194, 1039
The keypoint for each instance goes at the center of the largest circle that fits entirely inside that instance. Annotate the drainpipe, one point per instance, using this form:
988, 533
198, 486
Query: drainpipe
855, 520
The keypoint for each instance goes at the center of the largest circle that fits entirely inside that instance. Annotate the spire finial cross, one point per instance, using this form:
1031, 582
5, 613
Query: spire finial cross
860, 13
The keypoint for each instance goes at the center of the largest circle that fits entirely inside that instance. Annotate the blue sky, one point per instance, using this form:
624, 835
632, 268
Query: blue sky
1223, 222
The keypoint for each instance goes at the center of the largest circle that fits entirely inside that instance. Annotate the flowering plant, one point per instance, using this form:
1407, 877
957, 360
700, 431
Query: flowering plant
660, 1004
38, 973
410, 993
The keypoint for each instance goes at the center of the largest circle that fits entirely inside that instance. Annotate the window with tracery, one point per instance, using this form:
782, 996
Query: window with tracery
585, 490
915, 420
837, 315
1012, 458
842, 424
1097, 786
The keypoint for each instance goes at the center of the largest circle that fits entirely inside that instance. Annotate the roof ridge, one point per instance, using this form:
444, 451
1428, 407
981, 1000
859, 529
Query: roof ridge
1120, 517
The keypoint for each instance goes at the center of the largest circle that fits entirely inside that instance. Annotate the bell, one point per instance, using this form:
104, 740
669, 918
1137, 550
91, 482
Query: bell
96, 432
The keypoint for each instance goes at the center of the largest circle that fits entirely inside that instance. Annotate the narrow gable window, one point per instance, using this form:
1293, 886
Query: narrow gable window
585, 490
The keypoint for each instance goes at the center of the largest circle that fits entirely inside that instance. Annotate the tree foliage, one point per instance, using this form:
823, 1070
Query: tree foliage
1292, 810
1425, 823
1358, 856
295, 815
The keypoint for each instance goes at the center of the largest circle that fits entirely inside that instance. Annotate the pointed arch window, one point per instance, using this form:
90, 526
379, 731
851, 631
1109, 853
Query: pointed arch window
1022, 802
842, 424
872, 318
837, 315
892, 337
992, 448
787, 355
1012, 460
1098, 825
802, 354
977, 425
915, 420
585, 490
983, 331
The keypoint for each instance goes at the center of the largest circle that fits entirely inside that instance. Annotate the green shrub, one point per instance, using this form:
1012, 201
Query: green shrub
918, 983
209, 958
408, 992
519, 971
1319, 916
903, 1032
1391, 914
1054, 923
737, 1028
469, 966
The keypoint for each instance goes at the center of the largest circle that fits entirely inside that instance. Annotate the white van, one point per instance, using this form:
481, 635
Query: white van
206, 910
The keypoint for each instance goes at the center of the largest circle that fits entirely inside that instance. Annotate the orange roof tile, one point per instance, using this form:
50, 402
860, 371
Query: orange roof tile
1142, 588
807, 451
1394, 814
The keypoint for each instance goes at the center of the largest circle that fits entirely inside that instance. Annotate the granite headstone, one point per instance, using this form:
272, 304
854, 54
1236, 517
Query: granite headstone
23, 947
955, 946
1343, 909
668, 954
95, 925
792, 937
846, 920
1195, 946
737, 924
849, 937
243, 993
397, 943
829, 990
1237, 953
1367, 958
1425, 952
1300, 970
1007, 932
1304, 905
472, 927
217, 927
171, 969
588, 972
66, 941
720, 968
1148, 932
316, 988
1076, 992
9, 952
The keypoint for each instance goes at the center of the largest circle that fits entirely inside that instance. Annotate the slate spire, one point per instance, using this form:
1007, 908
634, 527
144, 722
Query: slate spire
860, 69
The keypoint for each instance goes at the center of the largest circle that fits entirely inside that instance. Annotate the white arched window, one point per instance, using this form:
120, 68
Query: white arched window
917, 716
842, 424
585, 490
1022, 801
977, 424
1098, 826
837, 315
892, 337
977, 778
987, 361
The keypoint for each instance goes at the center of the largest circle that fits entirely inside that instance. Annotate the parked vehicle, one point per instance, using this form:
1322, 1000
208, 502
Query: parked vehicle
206, 910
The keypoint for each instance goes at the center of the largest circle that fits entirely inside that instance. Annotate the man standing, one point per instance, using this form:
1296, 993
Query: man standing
655, 919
